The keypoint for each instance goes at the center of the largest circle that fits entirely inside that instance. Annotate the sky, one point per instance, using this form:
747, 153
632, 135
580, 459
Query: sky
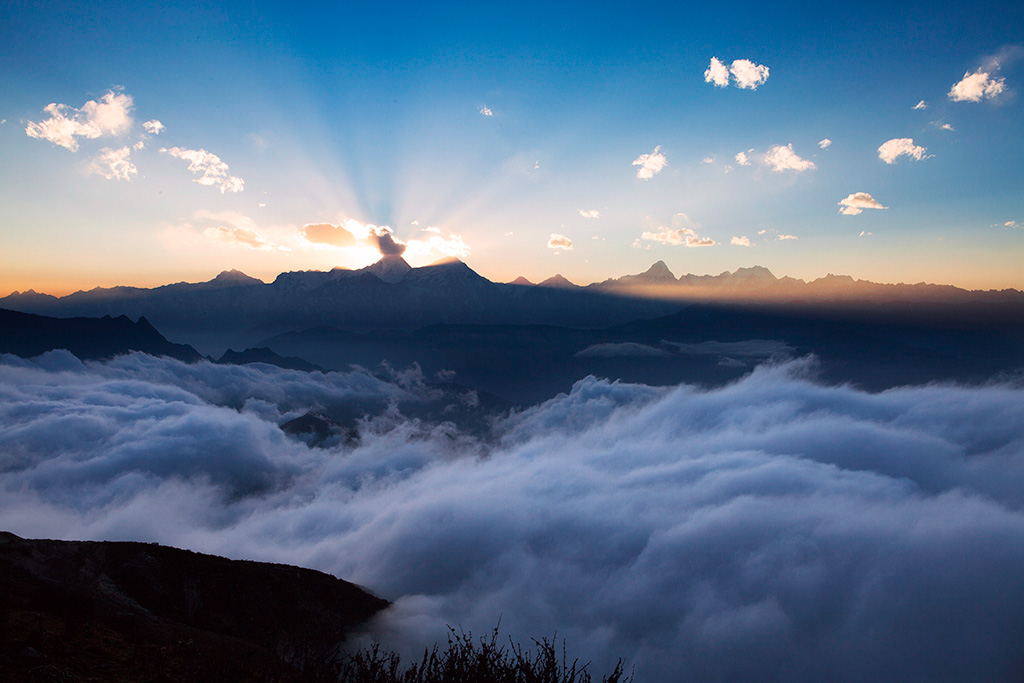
151, 143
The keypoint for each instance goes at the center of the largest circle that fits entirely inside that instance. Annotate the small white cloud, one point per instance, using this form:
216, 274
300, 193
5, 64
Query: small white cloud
947, 126
761, 232
707, 160
141, 144
261, 205
430, 228
556, 241
1011, 224
485, 110
824, 144
741, 241
114, 164
921, 105
717, 73
650, 164
109, 116
854, 204
974, 87
210, 169
786, 237
783, 158
154, 127
741, 158
590, 213
864, 233
536, 164
747, 74
679, 236
891, 149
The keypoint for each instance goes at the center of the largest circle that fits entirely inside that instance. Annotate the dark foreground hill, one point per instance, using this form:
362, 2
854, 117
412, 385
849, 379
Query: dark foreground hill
28, 335
77, 611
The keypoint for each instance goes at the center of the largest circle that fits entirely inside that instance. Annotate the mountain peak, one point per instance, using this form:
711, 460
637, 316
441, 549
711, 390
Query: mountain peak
520, 281
390, 268
447, 261
557, 281
658, 271
234, 278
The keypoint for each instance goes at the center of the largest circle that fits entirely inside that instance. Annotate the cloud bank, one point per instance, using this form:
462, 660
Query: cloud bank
773, 529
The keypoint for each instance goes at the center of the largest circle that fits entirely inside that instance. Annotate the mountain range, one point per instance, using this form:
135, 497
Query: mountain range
236, 310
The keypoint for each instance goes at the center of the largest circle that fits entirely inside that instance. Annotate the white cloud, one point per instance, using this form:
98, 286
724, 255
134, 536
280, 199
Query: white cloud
921, 105
650, 164
742, 159
211, 170
141, 144
945, 126
717, 73
707, 160
154, 127
110, 116
855, 203
486, 111
676, 237
864, 233
891, 149
590, 213
1011, 224
747, 74
557, 241
974, 87
825, 144
114, 164
783, 158
741, 241
786, 237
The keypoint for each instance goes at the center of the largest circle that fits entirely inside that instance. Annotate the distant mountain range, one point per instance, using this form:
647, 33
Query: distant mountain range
235, 310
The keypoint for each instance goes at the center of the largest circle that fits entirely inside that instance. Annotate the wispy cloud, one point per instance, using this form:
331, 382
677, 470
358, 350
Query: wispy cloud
108, 116
782, 158
650, 164
556, 241
743, 241
855, 203
485, 110
892, 149
920, 105
786, 237
680, 233
209, 167
114, 164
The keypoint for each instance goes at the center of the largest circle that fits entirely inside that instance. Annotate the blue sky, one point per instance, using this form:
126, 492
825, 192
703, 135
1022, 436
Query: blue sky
485, 130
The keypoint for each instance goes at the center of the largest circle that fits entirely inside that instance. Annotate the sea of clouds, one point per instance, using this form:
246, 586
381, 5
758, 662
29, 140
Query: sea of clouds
772, 529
